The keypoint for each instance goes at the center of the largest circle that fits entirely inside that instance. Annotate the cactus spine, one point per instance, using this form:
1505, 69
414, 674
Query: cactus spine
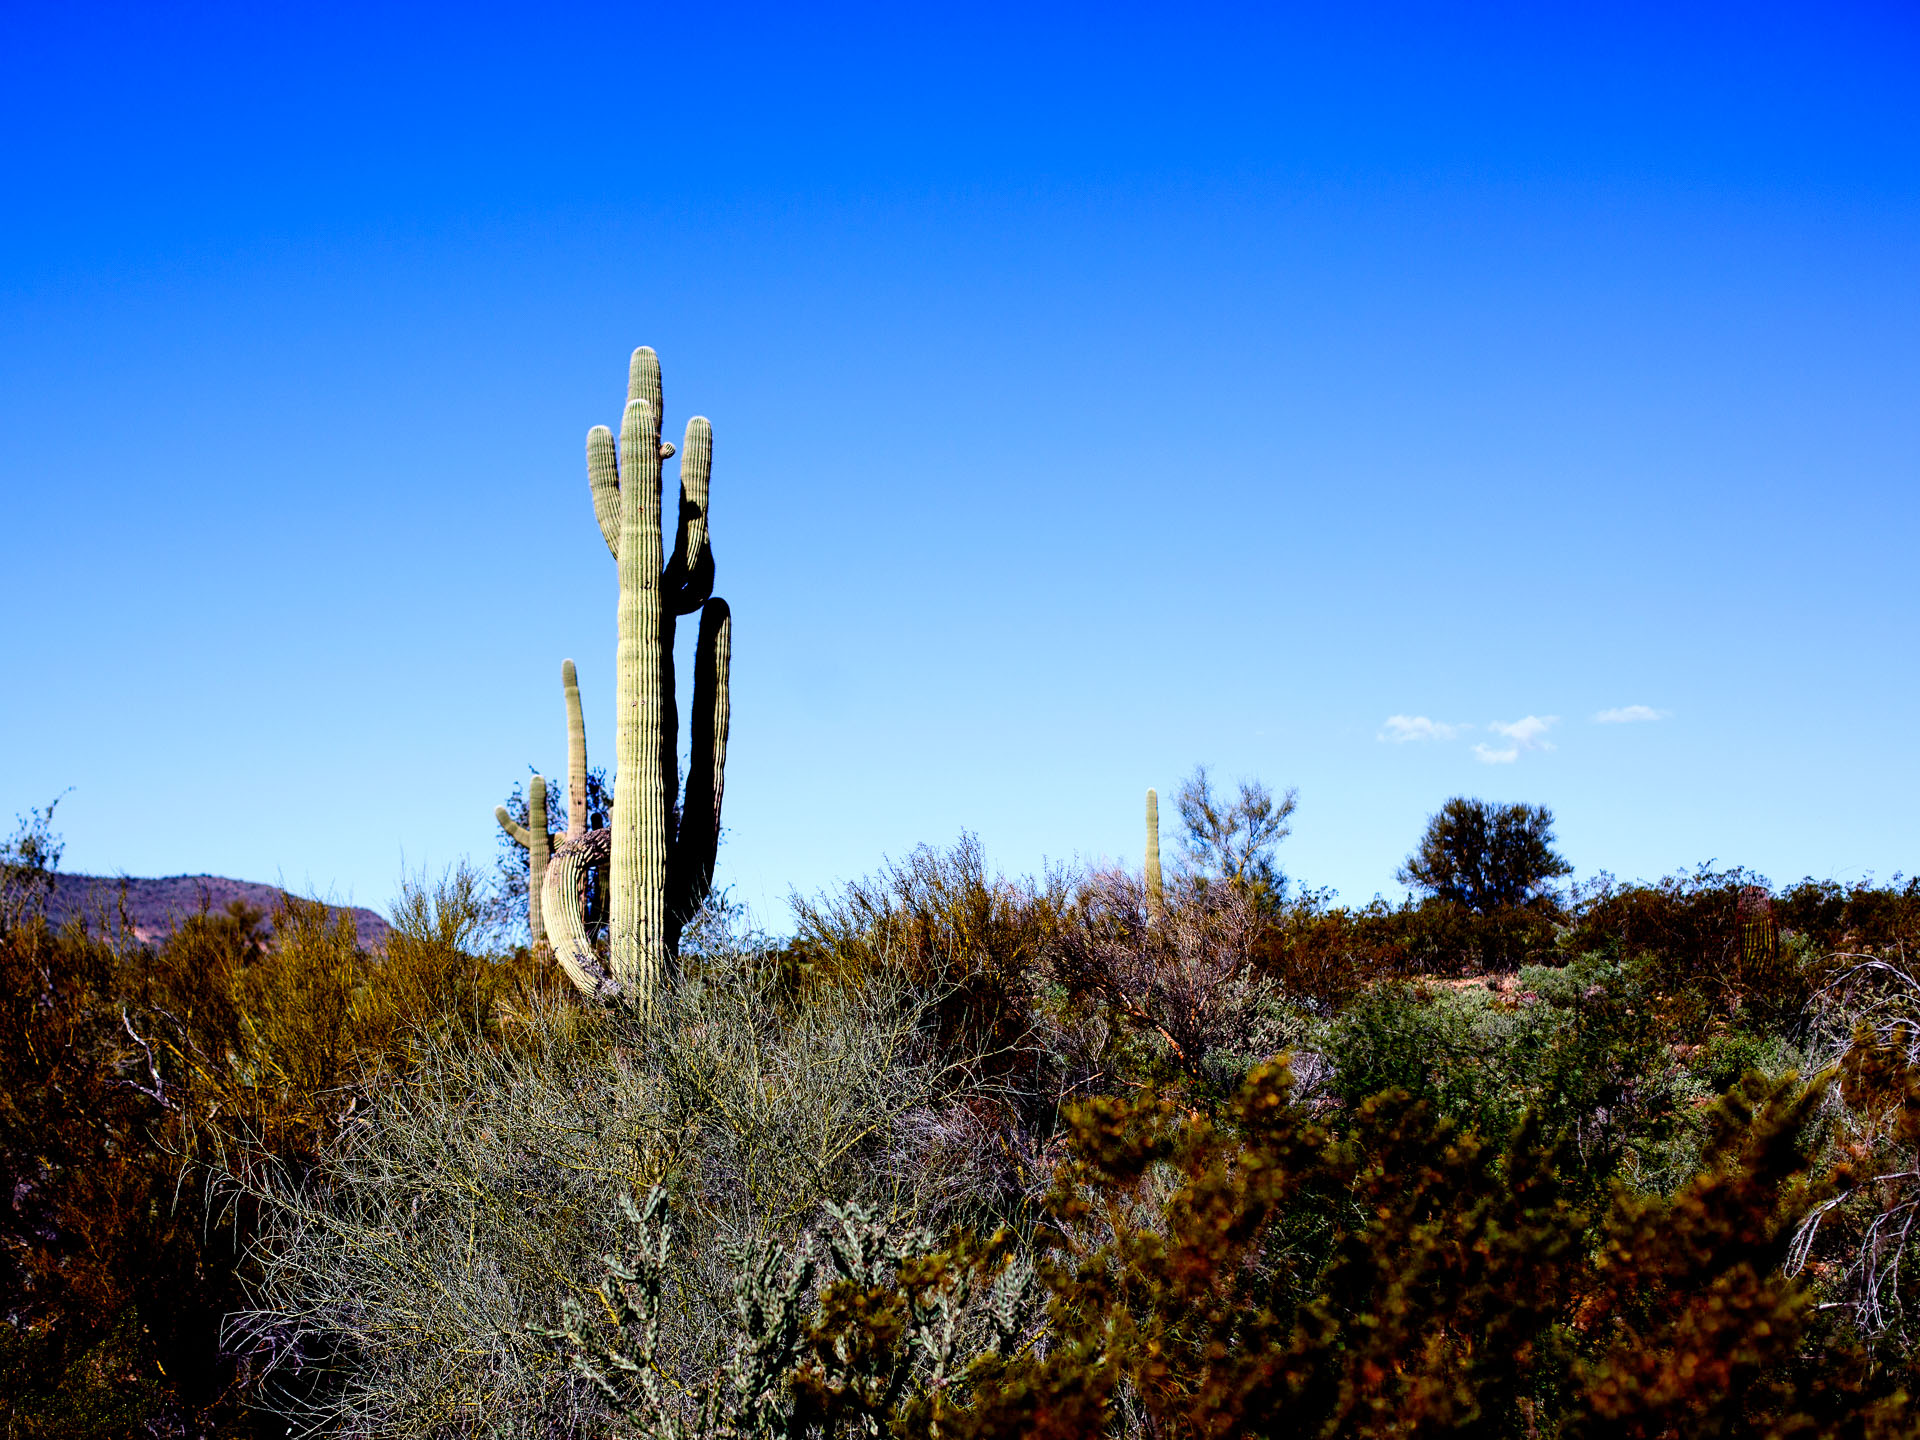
661, 864
1156, 893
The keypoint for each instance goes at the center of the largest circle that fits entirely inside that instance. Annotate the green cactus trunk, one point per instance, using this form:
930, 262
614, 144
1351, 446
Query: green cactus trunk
1156, 893
638, 952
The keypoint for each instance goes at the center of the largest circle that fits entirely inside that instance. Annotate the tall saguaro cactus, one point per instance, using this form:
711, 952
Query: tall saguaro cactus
662, 855
537, 841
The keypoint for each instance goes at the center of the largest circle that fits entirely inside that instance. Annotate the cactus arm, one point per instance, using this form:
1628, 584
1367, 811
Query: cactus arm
689, 577
691, 875
564, 893
576, 753
603, 479
638, 873
513, 827
1156, 892
537, 853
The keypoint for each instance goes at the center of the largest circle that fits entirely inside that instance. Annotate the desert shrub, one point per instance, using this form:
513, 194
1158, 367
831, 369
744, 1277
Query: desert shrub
1573, 1047
1723, 1060
110, 1285
28, 861
1708, 943
1184, 979
1316, 953
939, 921
473, 1199
1444, 937
278, 1040
125, 1069
1325, 953
885, 1344
1863, 918
1862, 1246
1448, 1285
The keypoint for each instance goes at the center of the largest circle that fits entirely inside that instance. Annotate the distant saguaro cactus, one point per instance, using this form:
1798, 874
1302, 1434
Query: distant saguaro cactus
1156, 892
1759, 936
661, 860
537, 841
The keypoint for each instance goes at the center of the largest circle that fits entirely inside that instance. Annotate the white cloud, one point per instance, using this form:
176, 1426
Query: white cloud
1490, 756
1525, 733
1402, 728
1628, 715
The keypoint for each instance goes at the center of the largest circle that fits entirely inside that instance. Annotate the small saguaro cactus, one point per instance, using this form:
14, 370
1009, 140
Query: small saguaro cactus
1156, 892
576, 862
661, 862
576, 752
537, 841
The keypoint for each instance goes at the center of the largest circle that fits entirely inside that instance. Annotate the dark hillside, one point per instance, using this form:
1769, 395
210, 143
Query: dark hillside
156, 906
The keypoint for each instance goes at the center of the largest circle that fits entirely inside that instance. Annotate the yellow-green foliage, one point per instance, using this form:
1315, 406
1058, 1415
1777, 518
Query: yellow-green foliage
1381, 1272
124, 1069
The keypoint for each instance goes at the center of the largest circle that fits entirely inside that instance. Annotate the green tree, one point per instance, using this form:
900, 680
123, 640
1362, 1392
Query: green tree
1486, 857
28, 862
1232, 839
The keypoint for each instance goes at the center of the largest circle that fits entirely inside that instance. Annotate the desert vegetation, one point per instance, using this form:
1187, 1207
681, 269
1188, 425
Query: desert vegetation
972, 1155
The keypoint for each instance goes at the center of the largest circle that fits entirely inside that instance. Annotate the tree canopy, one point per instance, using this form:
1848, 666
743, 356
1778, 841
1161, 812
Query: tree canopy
1484, 856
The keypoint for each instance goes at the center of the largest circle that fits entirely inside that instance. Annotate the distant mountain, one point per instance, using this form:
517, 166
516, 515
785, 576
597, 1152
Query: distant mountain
156, 906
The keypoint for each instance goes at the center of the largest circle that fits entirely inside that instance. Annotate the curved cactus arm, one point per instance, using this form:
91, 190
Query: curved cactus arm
603, 479
637, 951
689, 577
513, 827
690, 876
1156, 892
576, 753
564, 893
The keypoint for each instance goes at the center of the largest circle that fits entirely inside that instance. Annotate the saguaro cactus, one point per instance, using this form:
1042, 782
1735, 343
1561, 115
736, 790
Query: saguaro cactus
1156, 892
661, 862
576, 862
576, 752
537, 841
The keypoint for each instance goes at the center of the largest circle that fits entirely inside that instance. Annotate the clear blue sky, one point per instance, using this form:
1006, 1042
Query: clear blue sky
1096, 392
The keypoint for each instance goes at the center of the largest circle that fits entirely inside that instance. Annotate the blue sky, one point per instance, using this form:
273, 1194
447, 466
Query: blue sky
1095, 393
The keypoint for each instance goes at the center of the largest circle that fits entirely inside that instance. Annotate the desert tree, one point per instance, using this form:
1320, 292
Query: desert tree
28, 862
1484, 856
1232, 838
